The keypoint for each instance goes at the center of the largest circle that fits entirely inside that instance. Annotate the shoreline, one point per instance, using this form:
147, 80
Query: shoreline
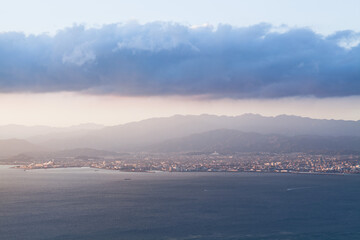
158, 171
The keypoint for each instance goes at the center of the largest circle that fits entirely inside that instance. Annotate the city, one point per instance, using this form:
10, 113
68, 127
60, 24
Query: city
211, 162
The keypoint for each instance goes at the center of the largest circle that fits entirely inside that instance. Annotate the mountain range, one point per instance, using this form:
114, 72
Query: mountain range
231, 141
248, 132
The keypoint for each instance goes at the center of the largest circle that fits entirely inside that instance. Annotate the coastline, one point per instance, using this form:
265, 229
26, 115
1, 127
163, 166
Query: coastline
158, 171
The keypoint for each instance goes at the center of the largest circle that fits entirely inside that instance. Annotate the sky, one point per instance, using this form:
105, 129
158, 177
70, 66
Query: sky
111, 62
38, 16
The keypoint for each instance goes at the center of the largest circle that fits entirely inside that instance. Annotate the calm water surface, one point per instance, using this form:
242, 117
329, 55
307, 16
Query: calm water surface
88, 204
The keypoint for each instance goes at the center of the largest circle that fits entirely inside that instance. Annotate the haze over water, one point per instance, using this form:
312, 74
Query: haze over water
100, 204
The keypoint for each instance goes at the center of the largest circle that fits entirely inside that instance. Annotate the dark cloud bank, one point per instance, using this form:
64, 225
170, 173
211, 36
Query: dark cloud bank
172, 59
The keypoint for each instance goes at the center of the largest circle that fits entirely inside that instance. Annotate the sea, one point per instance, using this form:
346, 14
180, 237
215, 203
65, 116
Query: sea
94, 204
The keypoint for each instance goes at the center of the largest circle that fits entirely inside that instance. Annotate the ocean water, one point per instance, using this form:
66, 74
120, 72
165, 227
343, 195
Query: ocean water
88, 204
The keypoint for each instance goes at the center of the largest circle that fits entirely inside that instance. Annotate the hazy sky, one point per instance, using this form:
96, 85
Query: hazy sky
36, 16
64, 109
130, 60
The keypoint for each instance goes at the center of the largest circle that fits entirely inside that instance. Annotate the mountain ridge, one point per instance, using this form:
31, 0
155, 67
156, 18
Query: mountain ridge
231, 141
132, 136
136, 136
9, 147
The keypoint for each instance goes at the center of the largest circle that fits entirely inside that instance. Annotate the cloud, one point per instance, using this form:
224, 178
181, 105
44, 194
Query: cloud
162, 58
80, 55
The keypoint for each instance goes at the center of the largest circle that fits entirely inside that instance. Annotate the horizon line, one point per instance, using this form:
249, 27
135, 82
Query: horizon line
172, 116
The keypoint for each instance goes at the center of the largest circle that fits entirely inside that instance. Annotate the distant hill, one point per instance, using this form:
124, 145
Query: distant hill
83, 152
136, 136
10, 147
24, 132
230, 141
25, 157
245, 133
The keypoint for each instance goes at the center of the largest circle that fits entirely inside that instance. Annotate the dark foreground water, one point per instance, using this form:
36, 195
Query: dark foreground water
85, 204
